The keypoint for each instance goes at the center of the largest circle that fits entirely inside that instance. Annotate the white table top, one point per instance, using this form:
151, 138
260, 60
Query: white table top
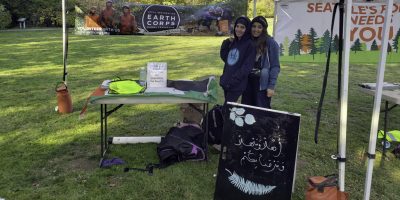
393, 96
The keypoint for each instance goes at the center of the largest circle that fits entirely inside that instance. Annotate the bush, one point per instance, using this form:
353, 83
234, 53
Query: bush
5, 17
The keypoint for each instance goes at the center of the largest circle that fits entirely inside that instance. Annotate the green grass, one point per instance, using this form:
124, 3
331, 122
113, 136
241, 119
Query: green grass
45, 155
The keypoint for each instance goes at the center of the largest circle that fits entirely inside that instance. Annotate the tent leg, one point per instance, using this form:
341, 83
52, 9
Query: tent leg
344, 85
377, 100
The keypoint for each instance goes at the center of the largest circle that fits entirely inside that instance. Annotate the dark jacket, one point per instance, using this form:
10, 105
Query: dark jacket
238, 56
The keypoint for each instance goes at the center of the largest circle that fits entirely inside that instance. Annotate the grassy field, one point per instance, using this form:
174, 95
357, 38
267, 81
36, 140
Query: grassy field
45, 155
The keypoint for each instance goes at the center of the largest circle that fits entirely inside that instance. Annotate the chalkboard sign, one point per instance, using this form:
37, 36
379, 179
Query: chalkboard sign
258, 154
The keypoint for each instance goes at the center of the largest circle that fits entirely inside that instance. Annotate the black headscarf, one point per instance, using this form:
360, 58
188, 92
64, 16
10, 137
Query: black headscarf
247, 23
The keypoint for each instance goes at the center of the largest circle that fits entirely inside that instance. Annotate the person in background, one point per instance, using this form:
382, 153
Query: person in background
238, 54
128, 24
263, 76
107, 17
92, 20
224, 20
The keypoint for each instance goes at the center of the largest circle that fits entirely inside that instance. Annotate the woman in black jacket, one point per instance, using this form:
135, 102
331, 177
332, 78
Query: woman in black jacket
238, 54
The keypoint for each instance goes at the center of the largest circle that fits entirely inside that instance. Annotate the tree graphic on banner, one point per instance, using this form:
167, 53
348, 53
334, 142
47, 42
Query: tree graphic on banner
286, 42
356, 46
318, 44
325, 40
305, 43
335, 44
389, 48
395, 45
281, 49
293, 49
313, 41
297, 39
374, 46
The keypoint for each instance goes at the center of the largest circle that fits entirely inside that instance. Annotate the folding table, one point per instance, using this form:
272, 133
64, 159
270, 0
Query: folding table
186, 95
390, 96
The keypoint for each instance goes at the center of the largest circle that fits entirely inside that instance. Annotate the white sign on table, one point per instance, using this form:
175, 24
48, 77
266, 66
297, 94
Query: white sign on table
156, 74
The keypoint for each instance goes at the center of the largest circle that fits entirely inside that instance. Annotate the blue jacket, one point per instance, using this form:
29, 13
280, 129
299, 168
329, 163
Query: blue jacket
239, 57
270, 65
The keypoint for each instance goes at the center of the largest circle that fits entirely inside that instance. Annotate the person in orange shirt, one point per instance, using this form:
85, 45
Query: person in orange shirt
92, 20
128, 24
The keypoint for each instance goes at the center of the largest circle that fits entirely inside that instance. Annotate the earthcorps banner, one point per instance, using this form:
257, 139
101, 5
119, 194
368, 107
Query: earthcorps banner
303, 27
122, 18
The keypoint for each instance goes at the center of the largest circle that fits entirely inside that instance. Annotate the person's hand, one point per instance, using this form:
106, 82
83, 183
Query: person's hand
270, 92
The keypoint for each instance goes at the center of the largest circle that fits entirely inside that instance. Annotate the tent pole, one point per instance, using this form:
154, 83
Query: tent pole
64, 27
377, 101
344, 96
274, 22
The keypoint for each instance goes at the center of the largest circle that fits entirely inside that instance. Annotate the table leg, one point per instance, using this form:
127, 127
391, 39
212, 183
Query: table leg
101, 130
105, 128
385, 128
206, 130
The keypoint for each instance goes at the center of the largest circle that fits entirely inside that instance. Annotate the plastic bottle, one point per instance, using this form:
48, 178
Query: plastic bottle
142, 76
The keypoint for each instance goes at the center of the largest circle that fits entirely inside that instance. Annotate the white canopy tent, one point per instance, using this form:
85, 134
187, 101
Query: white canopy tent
343, 92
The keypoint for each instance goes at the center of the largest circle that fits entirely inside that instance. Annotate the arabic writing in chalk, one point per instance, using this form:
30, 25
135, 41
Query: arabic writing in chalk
258, 148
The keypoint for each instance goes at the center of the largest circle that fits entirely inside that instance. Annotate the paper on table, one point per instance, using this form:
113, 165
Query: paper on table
164, 90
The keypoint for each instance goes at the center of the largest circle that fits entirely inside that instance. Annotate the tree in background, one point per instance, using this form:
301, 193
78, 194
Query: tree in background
356, 46
39, 12
264, 8
313, 41
374, 46
396, 41
48, 12
297, 39
5, 17
281, 49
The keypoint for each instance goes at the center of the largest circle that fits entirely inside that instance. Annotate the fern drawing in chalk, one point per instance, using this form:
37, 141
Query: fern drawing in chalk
247, 186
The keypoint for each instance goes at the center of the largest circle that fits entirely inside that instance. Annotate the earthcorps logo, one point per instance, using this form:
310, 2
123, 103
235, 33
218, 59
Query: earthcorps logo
159, 18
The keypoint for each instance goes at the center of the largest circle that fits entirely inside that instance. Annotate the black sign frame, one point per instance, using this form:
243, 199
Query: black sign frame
258, 154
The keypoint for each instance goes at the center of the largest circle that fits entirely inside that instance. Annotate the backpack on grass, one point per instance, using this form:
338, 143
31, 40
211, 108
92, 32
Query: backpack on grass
181, 144
215, 124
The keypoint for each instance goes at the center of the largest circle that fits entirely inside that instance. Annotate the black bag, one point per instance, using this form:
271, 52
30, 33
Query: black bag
181, 144
396, 151
215, 124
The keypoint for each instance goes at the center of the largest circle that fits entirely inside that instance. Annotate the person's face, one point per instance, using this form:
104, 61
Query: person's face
109, 4
239, 30
126, 10
92, 11
256, 29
